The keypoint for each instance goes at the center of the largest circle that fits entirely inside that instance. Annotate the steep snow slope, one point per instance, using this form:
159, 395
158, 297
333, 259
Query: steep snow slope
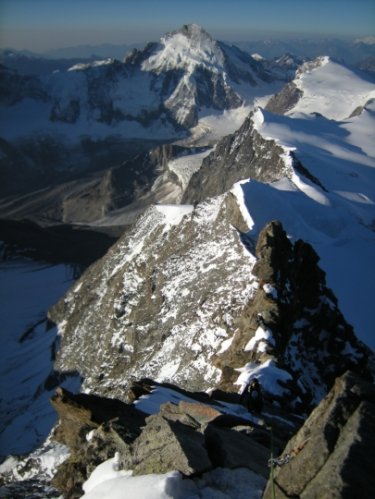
325, 87
331, 89
27, 290
186, 49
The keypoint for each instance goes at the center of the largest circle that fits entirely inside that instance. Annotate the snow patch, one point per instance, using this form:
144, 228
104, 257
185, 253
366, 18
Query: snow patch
106, 481
261, 336
268, 375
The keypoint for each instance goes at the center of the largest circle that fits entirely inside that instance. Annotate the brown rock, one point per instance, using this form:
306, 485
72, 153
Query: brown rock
231, 449
166, 445
332, 452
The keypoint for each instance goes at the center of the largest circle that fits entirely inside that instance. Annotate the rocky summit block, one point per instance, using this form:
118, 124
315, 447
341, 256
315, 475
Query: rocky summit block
332, 454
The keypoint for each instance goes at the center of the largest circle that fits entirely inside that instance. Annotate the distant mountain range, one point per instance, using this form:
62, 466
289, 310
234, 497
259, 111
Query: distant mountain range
350, 51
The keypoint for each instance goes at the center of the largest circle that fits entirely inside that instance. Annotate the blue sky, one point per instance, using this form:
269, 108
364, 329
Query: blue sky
46, 24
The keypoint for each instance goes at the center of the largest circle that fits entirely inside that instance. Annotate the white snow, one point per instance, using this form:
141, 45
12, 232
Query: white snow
178, 51
268, 375
270, 290
94, 64
262, 337
27, 290
173, 214
331, 89
184, 166
240, 196
221, 483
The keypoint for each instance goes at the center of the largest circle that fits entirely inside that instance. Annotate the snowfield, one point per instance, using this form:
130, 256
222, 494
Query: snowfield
331, 89
222, 483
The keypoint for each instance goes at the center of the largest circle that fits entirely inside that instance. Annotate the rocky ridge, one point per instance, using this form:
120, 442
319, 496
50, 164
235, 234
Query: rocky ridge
241, 155
155, 305
201, 436
134, 290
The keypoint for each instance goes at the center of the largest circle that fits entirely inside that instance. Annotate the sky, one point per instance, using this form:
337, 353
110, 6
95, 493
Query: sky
40, 25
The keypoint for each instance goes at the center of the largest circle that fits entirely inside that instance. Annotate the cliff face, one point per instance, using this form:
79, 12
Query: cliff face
244, 154
294, 322
161, 302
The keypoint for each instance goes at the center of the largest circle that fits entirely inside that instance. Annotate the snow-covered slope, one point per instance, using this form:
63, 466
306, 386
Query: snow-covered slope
325, 87
331, 89
27, 290
186, 49
159, 286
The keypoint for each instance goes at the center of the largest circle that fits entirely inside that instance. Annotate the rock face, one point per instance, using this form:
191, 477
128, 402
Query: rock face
115, 425
189, 436
294, 321
153, 307
244, 154
329, 456
333, 451
285, 100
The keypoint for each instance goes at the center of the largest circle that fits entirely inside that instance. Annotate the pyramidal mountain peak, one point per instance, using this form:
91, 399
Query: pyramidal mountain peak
186, 48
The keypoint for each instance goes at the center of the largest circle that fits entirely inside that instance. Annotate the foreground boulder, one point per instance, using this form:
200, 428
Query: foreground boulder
93, 428
190, 436
329, 457
332, 454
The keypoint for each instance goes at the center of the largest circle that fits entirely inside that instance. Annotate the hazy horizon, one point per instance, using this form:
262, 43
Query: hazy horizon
43, 25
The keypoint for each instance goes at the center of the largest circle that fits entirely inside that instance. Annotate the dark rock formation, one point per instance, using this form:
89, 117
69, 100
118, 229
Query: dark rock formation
285, 100
114, 422
165, 445
309, 337
244, 154
191, 437
332, 454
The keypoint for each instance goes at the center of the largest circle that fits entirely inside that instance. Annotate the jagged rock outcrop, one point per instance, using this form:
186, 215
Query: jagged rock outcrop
329, 456
244, 154
332, 454
153, 307
285, 100
114, 423
190, 436
293, 320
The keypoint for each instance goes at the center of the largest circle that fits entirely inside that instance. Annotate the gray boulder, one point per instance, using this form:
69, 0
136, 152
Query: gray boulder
166, 445
332, 454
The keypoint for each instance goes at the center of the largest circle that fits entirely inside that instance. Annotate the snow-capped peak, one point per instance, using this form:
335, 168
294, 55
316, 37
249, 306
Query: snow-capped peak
257, 57
94, 64
186, 48
366, 40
